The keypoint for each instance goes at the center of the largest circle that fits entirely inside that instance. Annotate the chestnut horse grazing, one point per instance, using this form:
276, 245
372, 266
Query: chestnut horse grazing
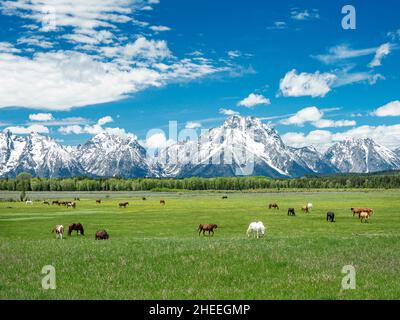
162, 202
58, 230
207, 227
102, 235
273, 206
98, 201
123, 204
359, 210
305, 209
77, 227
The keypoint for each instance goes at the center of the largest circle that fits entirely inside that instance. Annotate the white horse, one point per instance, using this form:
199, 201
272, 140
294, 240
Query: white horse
257, 229
29, 202
309, 206
59, 230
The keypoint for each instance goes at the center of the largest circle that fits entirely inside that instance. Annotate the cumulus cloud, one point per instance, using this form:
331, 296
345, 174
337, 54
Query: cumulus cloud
41, 117
391, 109
314, 116
381, 52
105, 120
388, 136
193, 125
306, 84
103, 64
157, 140
228, 112
36, 128
254, 100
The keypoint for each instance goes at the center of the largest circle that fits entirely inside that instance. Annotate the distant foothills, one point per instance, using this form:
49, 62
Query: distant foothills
110, 155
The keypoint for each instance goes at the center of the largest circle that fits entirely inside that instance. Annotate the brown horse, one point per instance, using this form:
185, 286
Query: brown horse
162, 202
78, 227
98, 201
123, 204
305, 209
144, 198
101, 235
55, 202
46, 202
224, 197
359, 210
207, 227
273, 206
364, 216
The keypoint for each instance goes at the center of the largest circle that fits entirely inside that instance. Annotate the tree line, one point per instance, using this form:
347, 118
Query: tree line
24, 182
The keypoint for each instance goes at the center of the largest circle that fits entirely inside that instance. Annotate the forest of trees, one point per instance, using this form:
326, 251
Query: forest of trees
370, 181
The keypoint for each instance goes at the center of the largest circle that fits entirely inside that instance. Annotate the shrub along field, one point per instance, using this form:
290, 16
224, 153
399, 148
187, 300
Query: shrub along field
155, 252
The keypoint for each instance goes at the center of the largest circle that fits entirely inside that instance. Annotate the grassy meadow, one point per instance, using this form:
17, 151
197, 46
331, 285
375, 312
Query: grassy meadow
155, 252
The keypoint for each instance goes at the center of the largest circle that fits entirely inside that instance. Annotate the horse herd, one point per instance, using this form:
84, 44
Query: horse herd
257, 229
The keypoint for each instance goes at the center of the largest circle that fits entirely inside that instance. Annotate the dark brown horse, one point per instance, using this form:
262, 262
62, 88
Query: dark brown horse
55, 202
102, 235
46, 202
162, 202
291, 212
273, 206
207, 227
144, 198
78, 227
224, 197
123, 204
98, 201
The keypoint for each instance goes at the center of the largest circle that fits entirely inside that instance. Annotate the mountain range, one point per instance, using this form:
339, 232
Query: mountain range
240, 146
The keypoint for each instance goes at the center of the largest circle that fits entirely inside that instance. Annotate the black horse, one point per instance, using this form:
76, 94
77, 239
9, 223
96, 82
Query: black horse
291, 212
330, 216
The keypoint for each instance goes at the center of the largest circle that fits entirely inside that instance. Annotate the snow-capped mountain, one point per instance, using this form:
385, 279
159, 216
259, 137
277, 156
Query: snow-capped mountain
39, 155
361, 155
314, 160
112, 155
397, 152
241, 145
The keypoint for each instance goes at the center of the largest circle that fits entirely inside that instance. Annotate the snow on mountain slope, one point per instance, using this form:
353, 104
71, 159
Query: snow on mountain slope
240, 146
39, 155
361, 156
115, 155
314, 160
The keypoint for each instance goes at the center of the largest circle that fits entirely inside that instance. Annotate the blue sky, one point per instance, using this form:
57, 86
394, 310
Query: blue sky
73, 70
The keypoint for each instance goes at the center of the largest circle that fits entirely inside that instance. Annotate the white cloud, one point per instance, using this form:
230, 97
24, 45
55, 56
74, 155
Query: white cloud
91, 129
343, 52
38, 41
314, 116
160, 28
278, 25
254, 100
27, 130
72, 129
392, 109
157, 140
193, 125
306, 84
228, 112
41, 117
388, 136
320, 139
381, 52
304, 14
105, 120
234, 54
6, 47
104, 64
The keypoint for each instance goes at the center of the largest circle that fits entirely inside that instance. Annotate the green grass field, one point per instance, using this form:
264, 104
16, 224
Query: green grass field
155, 252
